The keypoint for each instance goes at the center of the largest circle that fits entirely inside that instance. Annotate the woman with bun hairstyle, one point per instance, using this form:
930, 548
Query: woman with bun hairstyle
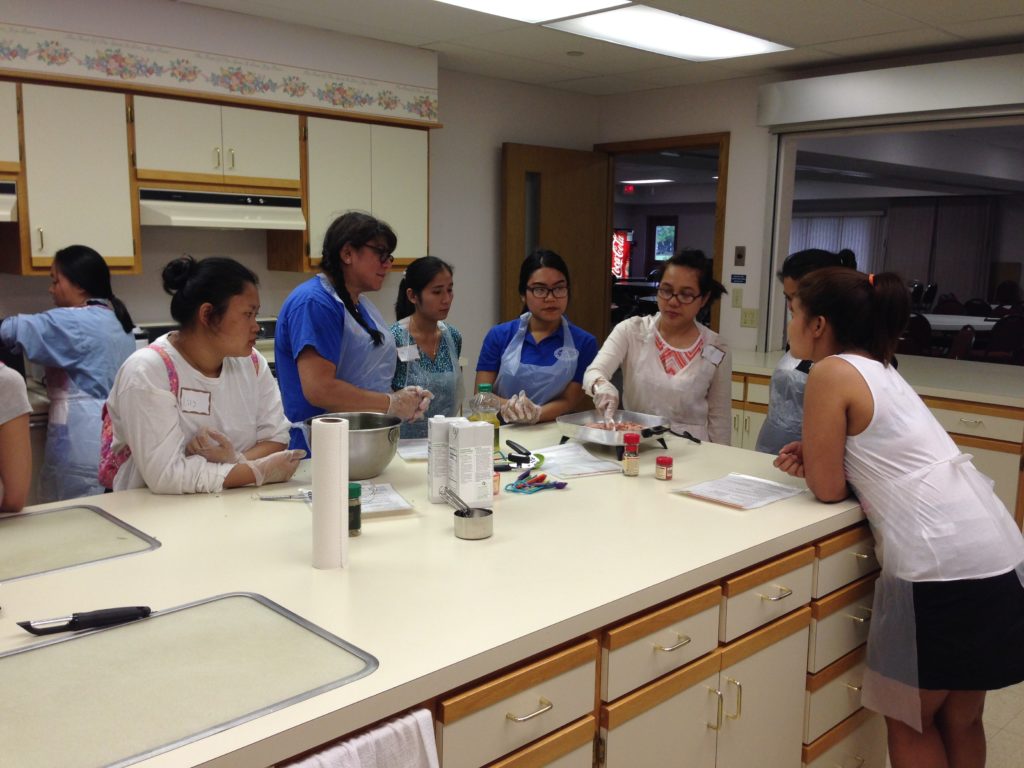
536, 361
786, 394
332, 347
672, 365
428, 347
81, 343
948, 618
198, 410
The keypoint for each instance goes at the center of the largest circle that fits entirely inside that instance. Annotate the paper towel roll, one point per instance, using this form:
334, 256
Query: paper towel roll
330, 492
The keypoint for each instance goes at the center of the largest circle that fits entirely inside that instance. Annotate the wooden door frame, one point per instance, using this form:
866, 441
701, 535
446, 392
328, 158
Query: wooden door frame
719, 141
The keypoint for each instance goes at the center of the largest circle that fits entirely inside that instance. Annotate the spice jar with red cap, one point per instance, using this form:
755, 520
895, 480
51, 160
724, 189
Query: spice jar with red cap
631, 454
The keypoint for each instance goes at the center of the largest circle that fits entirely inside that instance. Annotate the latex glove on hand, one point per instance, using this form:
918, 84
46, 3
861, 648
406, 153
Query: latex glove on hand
520, 409
421, 409
406, 402
213, 446
606, 398
277, 467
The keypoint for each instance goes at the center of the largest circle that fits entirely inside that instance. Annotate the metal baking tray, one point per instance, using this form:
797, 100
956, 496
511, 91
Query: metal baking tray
574, 425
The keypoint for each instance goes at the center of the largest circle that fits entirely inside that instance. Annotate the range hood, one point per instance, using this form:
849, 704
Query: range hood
216, 210
8, 201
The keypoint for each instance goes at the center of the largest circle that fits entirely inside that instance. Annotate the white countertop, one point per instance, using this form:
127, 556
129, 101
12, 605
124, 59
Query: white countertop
929, 376
436, 611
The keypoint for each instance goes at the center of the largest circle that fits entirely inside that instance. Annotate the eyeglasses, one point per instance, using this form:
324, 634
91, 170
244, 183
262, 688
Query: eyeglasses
543, 291
382, 253
667, 294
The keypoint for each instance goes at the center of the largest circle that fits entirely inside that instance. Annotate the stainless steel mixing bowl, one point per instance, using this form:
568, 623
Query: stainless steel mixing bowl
372, 442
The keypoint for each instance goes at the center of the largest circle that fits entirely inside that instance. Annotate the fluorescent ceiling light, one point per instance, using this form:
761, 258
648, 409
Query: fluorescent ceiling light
666, 33
534, 11
648, 181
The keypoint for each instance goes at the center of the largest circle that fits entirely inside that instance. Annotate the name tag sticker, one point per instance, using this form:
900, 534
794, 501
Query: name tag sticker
194, 401
408, 353
713, 354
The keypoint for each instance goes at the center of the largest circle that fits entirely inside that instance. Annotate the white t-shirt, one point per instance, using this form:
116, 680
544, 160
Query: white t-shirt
13, 399
242, 403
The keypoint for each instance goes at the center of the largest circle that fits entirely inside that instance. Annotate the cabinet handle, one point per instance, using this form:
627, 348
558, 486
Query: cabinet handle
861, 555
736, 422
216, 153
545, 706
746, 424
720, 709
231, 156
683, 640
784, 592
972, 422
41, 248
852, 687
739, 699
861, 619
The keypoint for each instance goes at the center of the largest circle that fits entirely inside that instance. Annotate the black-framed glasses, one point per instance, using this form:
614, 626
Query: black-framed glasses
686, 297
385, 256
543, 291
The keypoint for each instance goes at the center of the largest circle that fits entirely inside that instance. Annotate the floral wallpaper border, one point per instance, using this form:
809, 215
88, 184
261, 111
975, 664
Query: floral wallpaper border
36, 50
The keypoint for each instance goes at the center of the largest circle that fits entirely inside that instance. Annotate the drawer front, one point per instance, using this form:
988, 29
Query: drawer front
863, 746
738, 390
833, 702
980, 425
844, 567
765, 601
838, 634
494, 729
758, 390
654, 654
569, 747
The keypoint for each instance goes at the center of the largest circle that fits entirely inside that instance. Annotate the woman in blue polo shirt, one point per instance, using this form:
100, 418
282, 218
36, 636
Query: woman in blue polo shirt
536, 362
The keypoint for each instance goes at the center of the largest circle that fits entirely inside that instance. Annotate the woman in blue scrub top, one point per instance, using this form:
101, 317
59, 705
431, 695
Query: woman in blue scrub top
82, 343
536, 362
332, 348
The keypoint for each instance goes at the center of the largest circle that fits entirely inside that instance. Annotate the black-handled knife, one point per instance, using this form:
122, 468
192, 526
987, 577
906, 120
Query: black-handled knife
106, 617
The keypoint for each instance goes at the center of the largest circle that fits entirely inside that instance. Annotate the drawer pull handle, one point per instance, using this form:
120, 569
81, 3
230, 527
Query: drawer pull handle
739, 699
861, 619
545, 706
683, 640
216, 157
784, 592
720, 710
231, 154
852, 687
861, 555
972, 422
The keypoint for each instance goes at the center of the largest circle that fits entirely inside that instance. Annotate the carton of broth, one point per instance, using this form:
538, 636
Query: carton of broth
470, 462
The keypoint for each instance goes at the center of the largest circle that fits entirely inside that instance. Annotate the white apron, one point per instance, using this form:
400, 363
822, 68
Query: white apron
446, 386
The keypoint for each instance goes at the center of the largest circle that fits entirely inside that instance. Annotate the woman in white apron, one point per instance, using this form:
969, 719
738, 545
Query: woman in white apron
428, 347
81, 343
948, 617
786, 396
672, 365
536, 361
332, 348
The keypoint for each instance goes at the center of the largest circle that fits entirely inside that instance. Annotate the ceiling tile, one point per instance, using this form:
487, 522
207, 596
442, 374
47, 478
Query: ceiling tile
989, 30
770, 62
604, 85
891, 43
500, 65
686, 73
942, 12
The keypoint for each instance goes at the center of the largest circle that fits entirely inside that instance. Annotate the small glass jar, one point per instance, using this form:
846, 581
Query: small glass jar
663, 468
631, 454
355, 509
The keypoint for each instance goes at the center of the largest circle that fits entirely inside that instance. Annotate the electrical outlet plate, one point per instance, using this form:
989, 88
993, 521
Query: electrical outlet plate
741, 256
748, 318
737, 297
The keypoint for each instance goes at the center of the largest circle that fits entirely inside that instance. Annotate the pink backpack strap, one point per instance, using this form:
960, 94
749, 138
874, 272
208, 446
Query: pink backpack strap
172, 372
255, 357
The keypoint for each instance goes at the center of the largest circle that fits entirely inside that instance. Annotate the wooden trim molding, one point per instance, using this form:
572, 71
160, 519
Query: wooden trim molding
840, 541
841, 598
741, 649
740, 583
820, 746
819, 680
652, 622
987, 443
985, 409
550, 748
634, 704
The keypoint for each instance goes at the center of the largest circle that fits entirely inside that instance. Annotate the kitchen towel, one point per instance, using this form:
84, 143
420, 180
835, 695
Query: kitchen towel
330, 492
406, 741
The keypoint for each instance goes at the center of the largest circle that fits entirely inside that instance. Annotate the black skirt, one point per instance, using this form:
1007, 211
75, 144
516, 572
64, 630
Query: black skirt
970, 633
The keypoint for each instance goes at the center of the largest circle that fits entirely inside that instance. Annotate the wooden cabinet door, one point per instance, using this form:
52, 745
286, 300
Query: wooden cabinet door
262, 147
9, 126
76, 163
400, 185
178, 139
338, 175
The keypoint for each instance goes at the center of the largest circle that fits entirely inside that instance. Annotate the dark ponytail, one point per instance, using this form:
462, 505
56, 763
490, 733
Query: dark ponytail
417, 277
867, 312
83, 267
212, 281
804, 262
694, 259
355, 229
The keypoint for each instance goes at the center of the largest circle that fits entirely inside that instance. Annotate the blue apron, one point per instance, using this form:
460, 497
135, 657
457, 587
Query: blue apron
542, 383
446, 386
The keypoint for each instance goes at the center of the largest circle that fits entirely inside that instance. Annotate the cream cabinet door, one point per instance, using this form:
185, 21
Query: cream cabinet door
751, 428
1003, 468
177, 137
400, 185
338, 175
737, 427
76, 161
8, 123
261, 146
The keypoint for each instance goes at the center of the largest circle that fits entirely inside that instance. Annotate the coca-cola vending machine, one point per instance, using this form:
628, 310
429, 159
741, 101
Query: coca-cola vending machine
622, 244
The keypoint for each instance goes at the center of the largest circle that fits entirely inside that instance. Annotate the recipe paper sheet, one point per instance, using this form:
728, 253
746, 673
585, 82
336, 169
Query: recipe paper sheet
740, 491
571, 460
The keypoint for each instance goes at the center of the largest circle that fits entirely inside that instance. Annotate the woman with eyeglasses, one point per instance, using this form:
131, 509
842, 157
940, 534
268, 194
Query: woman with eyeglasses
536, 361
332, 347
672, 366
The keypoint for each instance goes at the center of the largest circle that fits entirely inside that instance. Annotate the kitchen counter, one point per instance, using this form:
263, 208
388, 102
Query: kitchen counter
929, 376
438, 612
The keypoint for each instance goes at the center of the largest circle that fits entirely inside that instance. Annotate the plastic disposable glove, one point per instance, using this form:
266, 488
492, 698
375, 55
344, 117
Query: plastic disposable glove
421, 409
405, 402
213, 446
606, 398
277, 467
520, 409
